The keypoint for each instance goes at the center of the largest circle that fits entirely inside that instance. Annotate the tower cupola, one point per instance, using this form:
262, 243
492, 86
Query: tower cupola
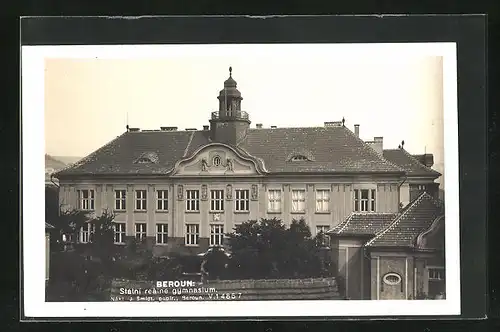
230, 123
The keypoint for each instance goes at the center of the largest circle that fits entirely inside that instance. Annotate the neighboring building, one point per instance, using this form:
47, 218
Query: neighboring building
393, 256
183, 190
52, 165
420, 176
48, 227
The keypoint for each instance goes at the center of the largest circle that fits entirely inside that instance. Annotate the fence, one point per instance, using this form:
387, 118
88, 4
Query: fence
242, 290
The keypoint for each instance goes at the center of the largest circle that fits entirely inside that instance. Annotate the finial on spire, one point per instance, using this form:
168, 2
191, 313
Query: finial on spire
343, 122
402, 144
230, 71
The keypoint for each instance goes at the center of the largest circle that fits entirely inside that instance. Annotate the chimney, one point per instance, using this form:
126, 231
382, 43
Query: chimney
426, 159
168, 128
134, 129
273, 127
258, 126
205, 127
356, 130
378, 145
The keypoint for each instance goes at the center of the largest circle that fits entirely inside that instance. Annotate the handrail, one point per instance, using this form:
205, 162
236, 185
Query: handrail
230, 115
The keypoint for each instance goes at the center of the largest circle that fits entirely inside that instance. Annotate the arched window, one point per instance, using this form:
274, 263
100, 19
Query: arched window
299, 158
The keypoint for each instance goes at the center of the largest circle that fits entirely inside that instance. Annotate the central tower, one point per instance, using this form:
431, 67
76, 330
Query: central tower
230, 123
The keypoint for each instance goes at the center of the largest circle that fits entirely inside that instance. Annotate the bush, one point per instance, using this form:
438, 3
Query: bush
267, 249
216, 264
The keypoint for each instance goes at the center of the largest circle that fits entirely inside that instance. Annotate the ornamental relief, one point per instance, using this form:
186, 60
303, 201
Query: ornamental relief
254, 192
180, 192
216, 162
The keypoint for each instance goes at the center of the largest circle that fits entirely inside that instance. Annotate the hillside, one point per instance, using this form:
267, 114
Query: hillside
68, 160
51, 162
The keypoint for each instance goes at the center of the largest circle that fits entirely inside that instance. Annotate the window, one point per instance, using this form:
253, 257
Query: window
140, 231
119, 233
140, 200
322, 200
86, 198
192, 200
217, 200
372, 200
86, 232
162, 200
192, 234
299, 158
120, 199
161, 233
274, 201
325, 239
242, 200
436, 281
421, 187
216, 161
216, 235
298, 200
436, 273
364, 200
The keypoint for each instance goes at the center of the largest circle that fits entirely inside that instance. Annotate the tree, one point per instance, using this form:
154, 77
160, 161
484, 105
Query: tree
216, 263
102, 238
267, 249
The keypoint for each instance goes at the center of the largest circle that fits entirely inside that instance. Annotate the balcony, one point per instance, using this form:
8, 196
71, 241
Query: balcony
240, 115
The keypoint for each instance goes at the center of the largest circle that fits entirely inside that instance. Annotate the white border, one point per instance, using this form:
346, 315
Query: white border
33, 58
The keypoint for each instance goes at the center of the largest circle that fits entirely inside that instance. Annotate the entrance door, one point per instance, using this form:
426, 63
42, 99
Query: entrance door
392, 287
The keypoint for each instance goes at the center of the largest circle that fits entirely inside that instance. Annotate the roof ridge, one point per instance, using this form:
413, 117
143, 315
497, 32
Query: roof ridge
84, 160
347, 221
188, 144
396, 220
418, 162
439, 204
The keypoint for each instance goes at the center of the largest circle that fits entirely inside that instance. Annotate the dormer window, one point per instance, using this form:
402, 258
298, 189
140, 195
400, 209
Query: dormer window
147, 158
300, 155
299, 158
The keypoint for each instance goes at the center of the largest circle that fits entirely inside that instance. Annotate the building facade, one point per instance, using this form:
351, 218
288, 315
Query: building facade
182, 190
393, 255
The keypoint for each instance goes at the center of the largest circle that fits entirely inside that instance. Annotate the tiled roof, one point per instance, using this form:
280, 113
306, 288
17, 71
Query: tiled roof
405, 229
359, 223
120, 155
332, 149
409, 163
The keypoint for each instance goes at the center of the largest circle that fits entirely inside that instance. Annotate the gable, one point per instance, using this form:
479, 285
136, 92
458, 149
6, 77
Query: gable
216, 160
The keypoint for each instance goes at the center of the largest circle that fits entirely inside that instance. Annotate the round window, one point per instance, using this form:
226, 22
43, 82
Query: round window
216, 161
392, 279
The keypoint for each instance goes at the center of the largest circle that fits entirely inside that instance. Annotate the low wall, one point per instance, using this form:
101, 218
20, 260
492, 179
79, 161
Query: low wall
232, 290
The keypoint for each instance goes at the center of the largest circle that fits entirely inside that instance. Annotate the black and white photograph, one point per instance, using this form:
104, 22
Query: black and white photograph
270, 178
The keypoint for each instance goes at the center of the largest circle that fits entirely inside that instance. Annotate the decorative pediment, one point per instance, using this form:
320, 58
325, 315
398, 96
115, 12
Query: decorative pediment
217, 160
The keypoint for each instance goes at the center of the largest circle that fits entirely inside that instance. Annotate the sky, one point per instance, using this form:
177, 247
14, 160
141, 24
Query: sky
88, 101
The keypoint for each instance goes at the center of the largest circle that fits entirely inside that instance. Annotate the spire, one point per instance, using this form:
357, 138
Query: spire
230, 71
